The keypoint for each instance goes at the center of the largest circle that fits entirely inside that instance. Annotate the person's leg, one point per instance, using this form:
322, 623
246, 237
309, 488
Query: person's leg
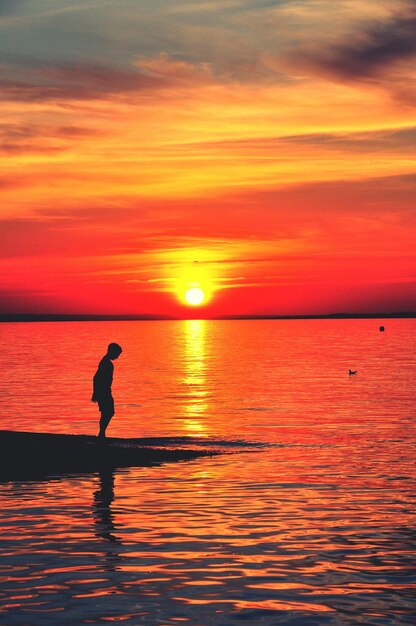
104, 422
107, 412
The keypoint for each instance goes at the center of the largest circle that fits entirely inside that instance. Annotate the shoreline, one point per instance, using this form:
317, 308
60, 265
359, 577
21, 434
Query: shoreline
32, 455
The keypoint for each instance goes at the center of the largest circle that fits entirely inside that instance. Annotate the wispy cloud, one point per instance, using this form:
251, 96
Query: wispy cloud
374, 50
72, 82
36, 139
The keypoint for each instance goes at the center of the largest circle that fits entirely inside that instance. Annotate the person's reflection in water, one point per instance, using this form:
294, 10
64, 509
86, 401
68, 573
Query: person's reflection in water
103, 515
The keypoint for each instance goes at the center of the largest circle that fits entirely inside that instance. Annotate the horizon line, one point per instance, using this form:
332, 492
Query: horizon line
95, 317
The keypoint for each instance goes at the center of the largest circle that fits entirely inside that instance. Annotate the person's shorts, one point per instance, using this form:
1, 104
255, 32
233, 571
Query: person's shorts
106, 406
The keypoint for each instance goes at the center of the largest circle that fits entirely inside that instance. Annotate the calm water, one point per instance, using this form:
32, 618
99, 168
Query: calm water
317, 527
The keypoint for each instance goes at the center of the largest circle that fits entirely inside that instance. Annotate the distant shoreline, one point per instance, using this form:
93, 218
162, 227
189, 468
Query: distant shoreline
61, 317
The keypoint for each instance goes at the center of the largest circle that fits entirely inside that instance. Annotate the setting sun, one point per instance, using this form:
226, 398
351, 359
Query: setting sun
194, 296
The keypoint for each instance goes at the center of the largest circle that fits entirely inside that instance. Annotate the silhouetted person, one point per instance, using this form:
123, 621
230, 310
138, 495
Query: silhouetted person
103, 378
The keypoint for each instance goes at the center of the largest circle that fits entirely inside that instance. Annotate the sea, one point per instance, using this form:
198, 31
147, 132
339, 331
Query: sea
305, 517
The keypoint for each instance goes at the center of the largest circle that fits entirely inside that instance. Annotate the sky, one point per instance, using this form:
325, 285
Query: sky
262, 151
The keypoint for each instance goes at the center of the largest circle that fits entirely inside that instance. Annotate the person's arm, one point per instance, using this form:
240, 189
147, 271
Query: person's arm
94, 388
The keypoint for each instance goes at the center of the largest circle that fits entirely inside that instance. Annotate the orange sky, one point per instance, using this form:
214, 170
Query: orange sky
271, 141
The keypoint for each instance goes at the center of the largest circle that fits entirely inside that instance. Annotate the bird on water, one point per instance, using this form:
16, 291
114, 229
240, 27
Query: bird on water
352, 372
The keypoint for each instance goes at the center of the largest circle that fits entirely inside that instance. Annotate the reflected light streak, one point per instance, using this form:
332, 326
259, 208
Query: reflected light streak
194, 379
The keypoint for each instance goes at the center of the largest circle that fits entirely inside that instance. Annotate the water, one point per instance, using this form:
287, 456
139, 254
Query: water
316, 527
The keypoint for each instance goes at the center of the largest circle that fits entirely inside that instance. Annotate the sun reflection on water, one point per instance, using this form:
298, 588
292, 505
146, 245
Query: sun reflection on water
195, 376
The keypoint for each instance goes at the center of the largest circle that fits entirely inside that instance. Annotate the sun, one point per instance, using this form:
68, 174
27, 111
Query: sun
194, 296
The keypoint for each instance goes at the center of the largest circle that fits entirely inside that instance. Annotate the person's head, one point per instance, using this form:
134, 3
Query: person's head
114, 351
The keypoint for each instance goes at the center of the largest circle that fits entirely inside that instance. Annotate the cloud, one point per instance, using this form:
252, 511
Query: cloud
10, 182
375, 47
175, 71
72, 81
289, 215
402, 141
227, 36
82, 81
389, 141
11, 7
24, 139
